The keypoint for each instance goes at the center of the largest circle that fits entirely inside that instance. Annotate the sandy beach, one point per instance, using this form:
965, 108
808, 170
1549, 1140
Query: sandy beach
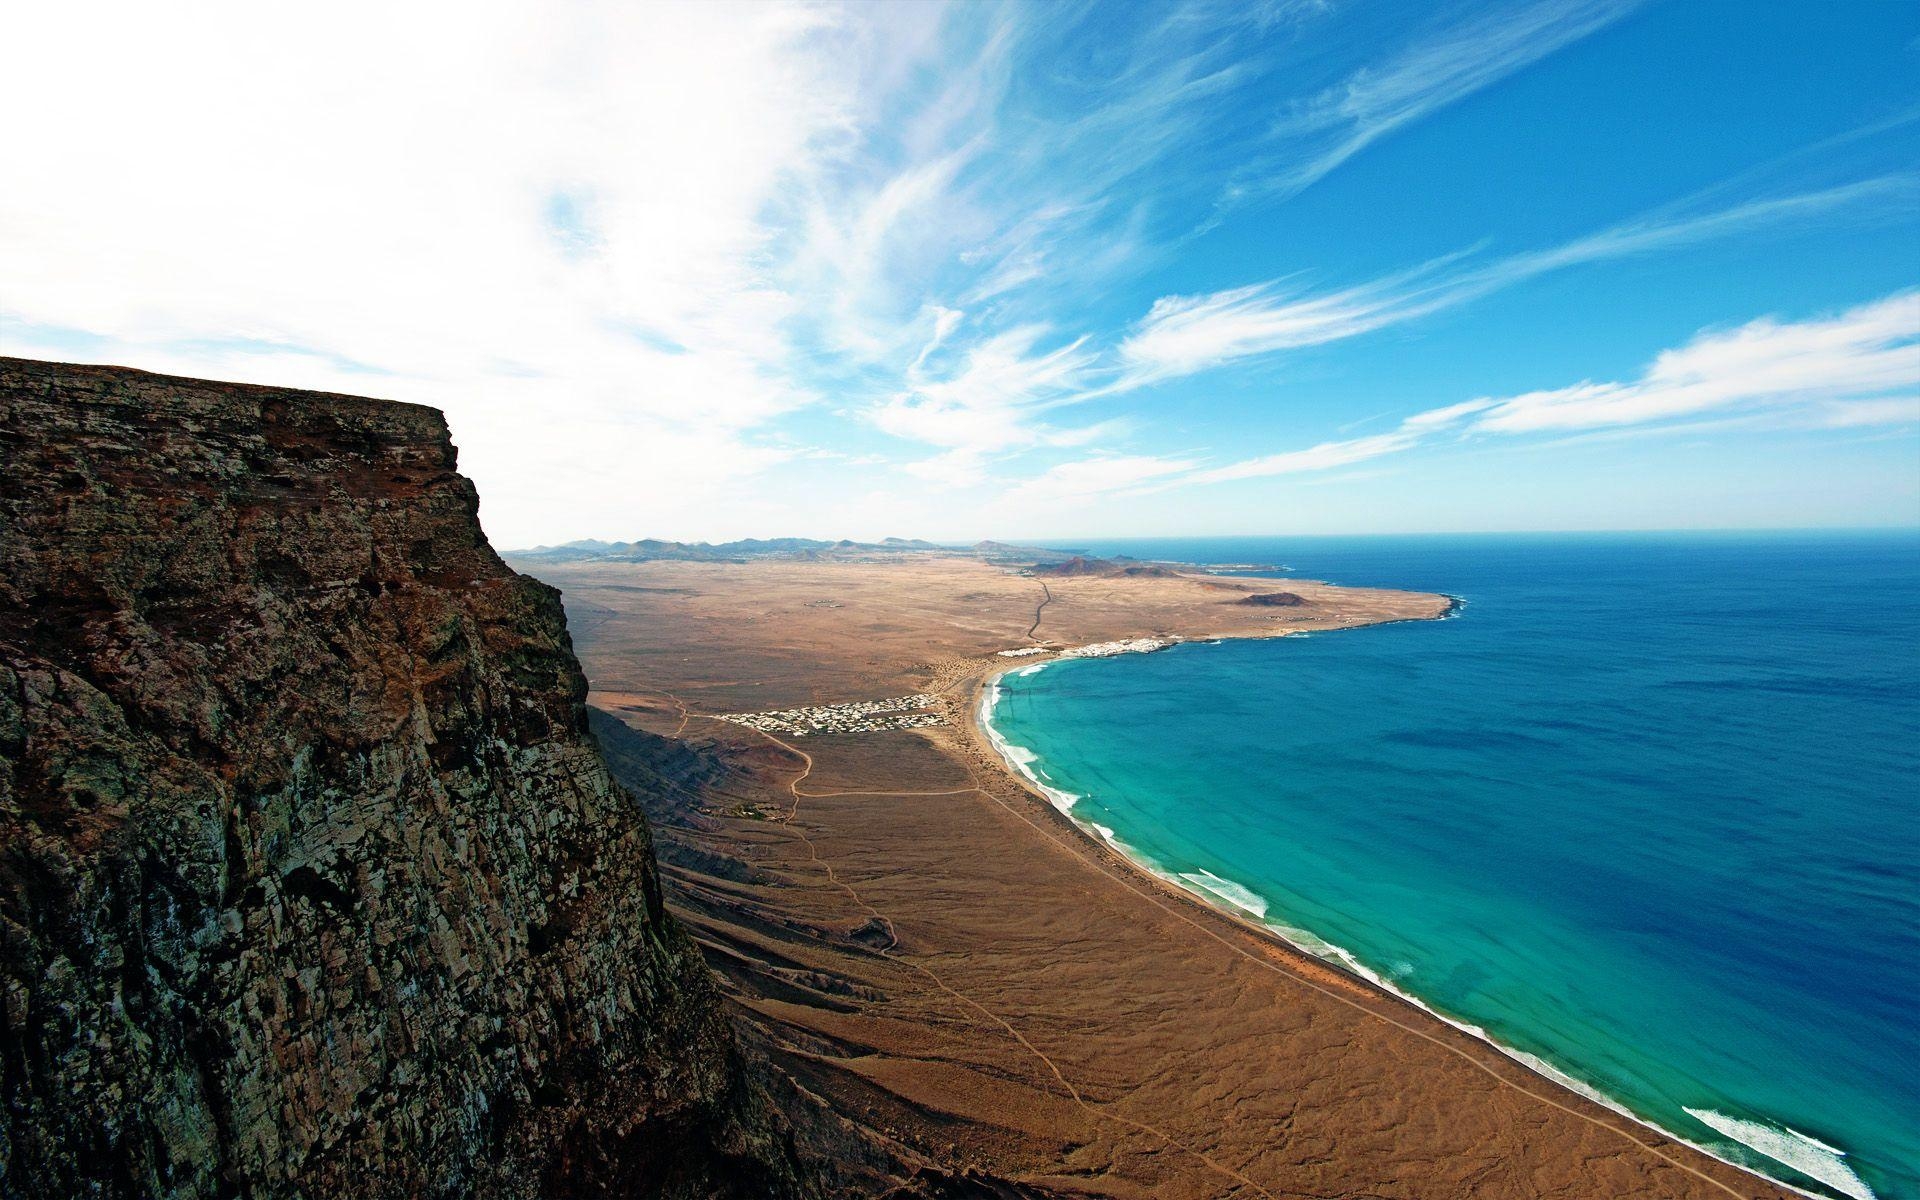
920, 937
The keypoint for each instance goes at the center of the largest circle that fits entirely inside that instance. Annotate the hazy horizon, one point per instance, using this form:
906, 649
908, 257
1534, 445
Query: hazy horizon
1055, 541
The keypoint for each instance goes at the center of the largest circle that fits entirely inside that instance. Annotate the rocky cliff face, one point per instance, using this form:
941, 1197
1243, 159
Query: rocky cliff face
311, 880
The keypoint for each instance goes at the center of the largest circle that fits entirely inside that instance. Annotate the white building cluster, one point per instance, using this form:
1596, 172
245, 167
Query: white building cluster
1109, 649
859, 716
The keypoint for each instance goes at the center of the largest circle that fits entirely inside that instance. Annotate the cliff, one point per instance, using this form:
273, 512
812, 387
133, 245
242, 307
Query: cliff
312, 881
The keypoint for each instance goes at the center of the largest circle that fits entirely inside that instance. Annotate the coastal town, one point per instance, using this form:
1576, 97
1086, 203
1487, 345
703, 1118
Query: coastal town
1145, 645
917, 711
1108, 649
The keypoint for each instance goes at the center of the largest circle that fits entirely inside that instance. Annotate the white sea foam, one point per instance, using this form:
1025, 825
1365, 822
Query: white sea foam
1132, 855
1064, 801
1242, 898
1032, 670
1832, 1171
1019, 757
1803, 1149
1541, 1066
1808, 1155
1321, 948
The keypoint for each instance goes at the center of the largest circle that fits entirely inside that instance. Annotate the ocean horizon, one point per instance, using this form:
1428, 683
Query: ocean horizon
1641, 813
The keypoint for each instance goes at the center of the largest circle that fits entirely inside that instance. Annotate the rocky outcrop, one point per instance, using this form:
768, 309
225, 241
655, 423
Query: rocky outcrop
1273, 600
1102, 568
311, 881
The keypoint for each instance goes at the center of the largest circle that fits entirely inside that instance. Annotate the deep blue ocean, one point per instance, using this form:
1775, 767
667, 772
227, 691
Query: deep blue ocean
1645, 808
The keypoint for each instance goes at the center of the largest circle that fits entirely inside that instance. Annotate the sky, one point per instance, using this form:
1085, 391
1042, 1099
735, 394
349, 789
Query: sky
1021, 271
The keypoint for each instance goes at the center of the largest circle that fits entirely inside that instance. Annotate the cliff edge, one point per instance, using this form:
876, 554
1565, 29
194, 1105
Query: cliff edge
312, 881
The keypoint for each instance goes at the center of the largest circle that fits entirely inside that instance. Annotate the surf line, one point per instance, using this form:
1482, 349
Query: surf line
1129, 876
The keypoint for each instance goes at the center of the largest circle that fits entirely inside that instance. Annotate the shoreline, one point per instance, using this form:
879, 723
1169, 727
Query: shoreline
1100, 843
1023, 950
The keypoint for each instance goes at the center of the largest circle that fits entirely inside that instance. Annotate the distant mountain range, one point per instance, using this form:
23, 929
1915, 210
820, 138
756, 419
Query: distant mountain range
652, 549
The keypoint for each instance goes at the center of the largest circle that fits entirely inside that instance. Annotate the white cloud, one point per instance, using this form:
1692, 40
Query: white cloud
1328, 455
632, 248
1376, 100
1091, 478
988, 405
1686, 224
631, 234
1848, 414
977, 198
545, 221
1859, 368
1438, 418
1183, 335
1867, 354
961, 468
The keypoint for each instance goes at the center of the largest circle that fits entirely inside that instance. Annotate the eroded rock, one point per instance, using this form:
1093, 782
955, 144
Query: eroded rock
311, 880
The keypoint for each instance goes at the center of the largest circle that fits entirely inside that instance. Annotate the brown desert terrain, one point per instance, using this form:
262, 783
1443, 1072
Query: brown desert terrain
932, 949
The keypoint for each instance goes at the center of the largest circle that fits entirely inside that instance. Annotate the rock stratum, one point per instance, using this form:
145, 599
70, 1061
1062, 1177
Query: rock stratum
312, 879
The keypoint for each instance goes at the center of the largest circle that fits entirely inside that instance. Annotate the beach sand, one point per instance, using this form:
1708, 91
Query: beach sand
922, 941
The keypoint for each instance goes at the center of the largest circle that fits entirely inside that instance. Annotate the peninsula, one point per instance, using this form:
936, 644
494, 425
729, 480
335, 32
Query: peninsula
888, 901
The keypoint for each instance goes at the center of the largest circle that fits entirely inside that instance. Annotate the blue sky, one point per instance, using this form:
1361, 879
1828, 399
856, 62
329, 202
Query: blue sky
1019, 271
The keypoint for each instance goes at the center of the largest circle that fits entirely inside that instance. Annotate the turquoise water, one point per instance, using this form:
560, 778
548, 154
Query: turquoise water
1645, 808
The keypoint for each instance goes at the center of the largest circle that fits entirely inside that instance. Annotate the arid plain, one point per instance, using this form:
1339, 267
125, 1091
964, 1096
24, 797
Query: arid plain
924, 942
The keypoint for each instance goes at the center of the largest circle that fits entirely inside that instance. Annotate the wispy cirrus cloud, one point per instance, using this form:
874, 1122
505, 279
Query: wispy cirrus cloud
1326, 456
1325, 130
1090, 478
1857, 368
1860, 366
1001, 197
1183, 335
999, 399
988, 404
699, 244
